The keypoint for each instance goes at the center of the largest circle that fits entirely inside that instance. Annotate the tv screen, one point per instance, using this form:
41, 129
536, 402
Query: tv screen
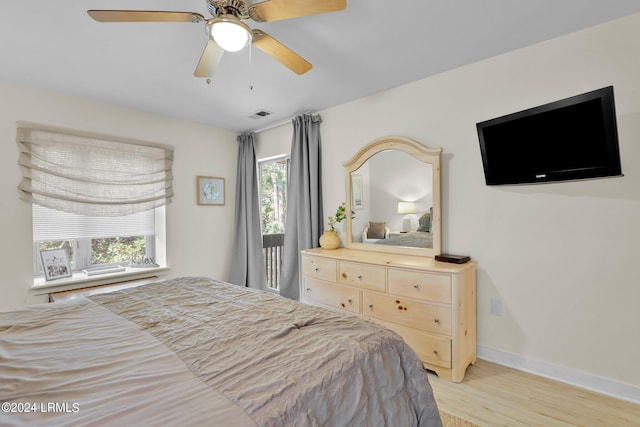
574, 138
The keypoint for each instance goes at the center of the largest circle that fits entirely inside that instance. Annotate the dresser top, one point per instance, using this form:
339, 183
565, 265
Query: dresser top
391, 260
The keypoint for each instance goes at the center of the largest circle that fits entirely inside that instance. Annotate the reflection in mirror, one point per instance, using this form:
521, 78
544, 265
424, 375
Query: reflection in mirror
396, 189
393, 188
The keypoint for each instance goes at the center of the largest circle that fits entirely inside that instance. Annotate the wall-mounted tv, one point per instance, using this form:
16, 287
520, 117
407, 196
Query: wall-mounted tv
573, 138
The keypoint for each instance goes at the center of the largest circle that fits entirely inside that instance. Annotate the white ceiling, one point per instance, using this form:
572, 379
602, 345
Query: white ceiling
371, 46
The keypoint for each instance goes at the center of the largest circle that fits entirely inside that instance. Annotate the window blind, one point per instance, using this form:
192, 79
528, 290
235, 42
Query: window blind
91, 174
51, 224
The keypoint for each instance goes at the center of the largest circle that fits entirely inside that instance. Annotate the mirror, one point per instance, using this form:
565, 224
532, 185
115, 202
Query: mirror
393, 189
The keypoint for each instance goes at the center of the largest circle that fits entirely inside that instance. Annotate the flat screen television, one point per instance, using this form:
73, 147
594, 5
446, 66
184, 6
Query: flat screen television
574, 138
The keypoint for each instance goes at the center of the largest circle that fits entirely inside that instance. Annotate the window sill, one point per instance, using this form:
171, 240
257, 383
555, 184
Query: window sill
80, 280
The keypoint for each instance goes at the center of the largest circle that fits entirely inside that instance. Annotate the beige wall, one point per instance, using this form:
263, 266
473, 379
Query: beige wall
560, 257
274, 142
199, 237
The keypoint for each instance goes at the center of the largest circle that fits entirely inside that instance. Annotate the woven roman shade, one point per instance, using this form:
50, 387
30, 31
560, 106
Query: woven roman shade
91, 174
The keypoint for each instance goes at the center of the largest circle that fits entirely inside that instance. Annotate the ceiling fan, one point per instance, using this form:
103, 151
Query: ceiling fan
227, 31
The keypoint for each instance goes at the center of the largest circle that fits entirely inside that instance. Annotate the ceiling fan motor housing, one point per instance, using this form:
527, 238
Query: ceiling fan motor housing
228, 7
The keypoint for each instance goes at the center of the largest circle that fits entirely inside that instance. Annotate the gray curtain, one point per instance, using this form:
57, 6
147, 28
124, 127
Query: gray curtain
304, 223
247, 263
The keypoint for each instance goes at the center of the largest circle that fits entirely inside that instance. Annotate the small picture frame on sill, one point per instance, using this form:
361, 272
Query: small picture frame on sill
55, 264
210, 191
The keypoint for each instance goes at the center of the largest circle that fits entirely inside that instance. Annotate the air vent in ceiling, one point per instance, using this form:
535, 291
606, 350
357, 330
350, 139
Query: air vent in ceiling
259, 114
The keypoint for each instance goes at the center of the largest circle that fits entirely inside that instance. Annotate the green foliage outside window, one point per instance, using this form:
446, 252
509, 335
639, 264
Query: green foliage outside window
117, 249
273, 196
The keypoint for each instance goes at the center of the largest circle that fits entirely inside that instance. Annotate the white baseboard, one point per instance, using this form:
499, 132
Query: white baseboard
574, 377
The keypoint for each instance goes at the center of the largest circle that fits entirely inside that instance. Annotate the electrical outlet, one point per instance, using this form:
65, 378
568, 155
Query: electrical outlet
496, 307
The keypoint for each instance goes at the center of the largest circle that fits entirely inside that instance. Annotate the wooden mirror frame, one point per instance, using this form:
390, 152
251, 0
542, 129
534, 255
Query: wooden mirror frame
419, 152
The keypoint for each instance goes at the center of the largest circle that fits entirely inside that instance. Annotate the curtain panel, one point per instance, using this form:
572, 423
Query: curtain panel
304, 223
247, 263
91, 174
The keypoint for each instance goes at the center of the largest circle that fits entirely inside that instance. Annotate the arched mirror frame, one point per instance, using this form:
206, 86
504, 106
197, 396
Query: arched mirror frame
419, 152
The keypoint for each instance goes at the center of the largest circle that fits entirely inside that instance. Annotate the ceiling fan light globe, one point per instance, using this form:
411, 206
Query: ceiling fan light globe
230, 34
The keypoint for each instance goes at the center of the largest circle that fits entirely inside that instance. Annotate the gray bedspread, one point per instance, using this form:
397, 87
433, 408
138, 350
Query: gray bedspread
283, 362
74, 363
276, 361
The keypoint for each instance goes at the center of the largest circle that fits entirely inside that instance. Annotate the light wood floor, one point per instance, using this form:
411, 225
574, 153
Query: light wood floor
494, 395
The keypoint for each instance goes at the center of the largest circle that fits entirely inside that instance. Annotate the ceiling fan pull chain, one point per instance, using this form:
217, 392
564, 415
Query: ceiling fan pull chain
250, 74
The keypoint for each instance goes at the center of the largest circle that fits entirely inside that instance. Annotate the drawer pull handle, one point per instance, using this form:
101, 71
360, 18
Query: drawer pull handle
360, 277
316, 269
435, 351
308, 289
416, 286
436, 320
371, 306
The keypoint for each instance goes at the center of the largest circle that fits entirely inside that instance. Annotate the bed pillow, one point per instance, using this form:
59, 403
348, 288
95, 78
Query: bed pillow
424, 223
376, 230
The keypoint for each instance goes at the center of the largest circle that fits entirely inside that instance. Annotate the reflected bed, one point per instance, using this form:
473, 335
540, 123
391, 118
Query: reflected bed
414, 239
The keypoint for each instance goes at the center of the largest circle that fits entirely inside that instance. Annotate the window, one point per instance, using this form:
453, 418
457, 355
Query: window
273, 174
101, 198
273, 193
94, 241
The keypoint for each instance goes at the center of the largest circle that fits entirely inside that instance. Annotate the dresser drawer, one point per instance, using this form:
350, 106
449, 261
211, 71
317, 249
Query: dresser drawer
414, 284
364, 276
416, 314
332, 295
430, 349
319, 268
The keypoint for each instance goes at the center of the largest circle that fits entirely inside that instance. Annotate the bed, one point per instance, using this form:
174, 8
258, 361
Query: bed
414, 239
196, 351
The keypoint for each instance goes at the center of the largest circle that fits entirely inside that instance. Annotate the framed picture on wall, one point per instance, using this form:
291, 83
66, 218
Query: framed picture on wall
356, 192
210, 190
55, 264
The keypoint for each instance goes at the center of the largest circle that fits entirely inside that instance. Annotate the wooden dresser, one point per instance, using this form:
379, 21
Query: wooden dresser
431, 304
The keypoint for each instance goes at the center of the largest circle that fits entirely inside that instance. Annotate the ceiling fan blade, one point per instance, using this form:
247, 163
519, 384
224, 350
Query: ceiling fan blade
275, 10
144, 16
280, 52
209, 60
